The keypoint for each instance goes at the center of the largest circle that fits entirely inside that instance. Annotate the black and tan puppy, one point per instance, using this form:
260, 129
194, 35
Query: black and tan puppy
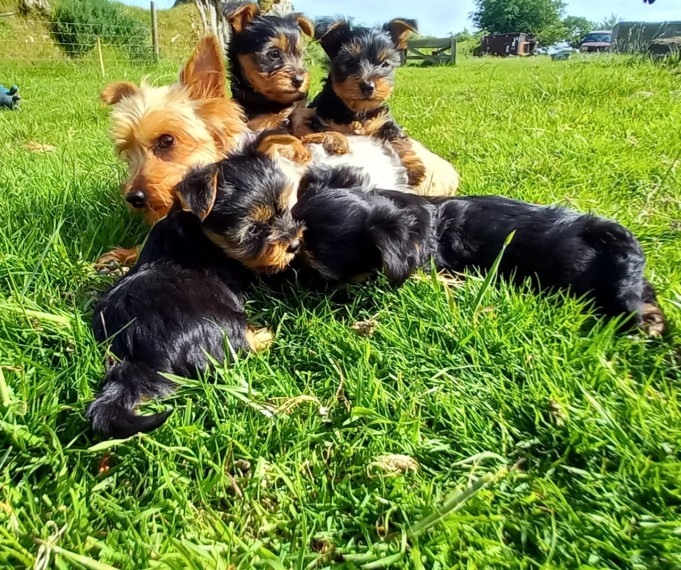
360, 81
354, 99
181, 302
266, 66
351, 232
250, 195
184, 299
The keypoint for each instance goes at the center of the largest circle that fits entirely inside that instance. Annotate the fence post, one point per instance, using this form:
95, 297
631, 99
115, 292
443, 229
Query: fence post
452, 59
101, 57
154, 30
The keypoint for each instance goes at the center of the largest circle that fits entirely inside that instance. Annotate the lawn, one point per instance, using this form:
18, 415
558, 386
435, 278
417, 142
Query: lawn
533, 434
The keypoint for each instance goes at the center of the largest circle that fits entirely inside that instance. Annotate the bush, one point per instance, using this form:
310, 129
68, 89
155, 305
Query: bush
78, 23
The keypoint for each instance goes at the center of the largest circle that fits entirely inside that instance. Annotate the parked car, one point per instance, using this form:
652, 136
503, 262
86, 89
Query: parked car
597, 40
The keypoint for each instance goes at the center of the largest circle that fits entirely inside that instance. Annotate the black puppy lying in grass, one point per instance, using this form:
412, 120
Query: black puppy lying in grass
184, 299
350, 232
181, 301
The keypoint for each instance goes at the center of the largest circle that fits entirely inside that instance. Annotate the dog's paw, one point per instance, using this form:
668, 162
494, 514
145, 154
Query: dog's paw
653, 322
259, 339
336, 143
333, 142
115, 259
112, 269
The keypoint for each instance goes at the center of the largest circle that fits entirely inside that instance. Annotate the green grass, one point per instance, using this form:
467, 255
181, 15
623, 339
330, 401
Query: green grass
29, 40
543, 439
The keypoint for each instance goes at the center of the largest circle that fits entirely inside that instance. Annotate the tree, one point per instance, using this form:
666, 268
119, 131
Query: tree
610, 22
213, 22
464, 36
540, 17
38, 7
211, 14
576, 28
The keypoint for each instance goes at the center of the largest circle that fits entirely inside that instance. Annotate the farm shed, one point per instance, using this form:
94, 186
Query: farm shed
632, 37
508, 44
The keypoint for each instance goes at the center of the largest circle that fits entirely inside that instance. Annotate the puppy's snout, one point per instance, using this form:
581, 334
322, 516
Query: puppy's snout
368, 87
293, 246
298, 80
136, 198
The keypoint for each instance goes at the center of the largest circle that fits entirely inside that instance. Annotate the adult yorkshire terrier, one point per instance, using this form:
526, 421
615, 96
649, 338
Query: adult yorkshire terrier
162, 132
268, 76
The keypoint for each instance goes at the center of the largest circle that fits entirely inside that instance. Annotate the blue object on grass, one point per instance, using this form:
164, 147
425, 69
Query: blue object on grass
9, 98
11, 91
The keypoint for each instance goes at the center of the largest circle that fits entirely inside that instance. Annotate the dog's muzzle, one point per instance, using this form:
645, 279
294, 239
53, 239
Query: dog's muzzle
136, 198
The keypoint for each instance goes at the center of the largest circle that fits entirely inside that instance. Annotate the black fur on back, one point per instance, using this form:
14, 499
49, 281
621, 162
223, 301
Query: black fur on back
350, 231
183, 300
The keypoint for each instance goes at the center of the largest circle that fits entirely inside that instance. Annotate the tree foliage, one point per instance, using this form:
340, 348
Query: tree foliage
576, 28
540, 17
610, 22
211, 14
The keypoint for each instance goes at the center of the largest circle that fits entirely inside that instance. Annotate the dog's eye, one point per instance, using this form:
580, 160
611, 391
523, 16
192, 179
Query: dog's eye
274, 54
165, 141
385, 65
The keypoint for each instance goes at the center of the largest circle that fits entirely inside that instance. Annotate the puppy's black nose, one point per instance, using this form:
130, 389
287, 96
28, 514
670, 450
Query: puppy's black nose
298, 81
294, 246
368, 87
136, 198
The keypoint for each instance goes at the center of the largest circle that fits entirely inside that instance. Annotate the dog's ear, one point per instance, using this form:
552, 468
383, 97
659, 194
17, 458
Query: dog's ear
280, 144
204, 74
198, 190
400, 29
305, 25
330, 35
239, 14
114, 92
389, 232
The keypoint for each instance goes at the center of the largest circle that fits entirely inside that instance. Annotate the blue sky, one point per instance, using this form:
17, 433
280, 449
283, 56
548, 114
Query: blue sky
439, 17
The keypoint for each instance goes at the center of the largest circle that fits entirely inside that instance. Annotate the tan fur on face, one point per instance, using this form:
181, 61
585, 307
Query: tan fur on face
350, 93
277, 86
273, 257
203, 133
204, 123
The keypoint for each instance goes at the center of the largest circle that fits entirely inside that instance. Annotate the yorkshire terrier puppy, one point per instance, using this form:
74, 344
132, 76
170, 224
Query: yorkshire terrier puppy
354, 98
350, 232
162, 132
267, 72
183, 300
248, 197
181, 304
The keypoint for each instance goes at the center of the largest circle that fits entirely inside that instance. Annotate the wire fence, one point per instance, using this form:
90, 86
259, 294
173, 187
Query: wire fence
45, 42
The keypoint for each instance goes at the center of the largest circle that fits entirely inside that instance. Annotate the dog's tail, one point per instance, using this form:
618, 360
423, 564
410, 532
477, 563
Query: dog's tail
125, 385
